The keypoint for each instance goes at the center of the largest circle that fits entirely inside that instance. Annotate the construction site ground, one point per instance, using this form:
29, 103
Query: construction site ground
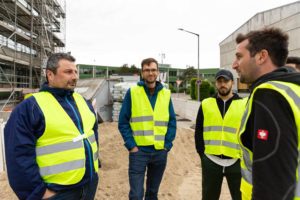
181, 181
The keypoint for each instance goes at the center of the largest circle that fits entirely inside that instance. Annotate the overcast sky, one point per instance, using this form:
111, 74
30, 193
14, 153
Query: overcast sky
117, 32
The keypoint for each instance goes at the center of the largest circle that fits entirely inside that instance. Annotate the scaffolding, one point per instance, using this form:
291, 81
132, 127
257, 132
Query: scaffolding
30, 31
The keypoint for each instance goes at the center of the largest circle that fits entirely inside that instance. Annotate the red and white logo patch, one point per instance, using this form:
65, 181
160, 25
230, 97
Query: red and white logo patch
262, 134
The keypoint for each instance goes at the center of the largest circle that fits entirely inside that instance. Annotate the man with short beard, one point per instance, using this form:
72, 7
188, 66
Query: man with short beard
216, 141
147, 123
293, 61
51, 139
269, 134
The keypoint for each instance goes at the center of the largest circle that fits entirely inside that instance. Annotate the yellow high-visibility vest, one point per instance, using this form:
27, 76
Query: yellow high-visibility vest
26, 96
291, 92
60, 152
149, 126
220, 134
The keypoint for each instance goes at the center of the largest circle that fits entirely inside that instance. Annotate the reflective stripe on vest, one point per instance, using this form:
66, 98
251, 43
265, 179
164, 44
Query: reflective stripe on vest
141, 119
220, 128
220, 133
291, 93
149, 126
223, 143
67, 166
55, 148
143, 133
297, 192
60, 150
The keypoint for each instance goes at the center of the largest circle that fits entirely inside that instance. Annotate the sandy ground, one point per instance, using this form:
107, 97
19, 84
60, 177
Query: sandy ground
181, 181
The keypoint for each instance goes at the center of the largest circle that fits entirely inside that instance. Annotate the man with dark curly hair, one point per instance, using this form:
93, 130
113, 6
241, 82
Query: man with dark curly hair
269, 134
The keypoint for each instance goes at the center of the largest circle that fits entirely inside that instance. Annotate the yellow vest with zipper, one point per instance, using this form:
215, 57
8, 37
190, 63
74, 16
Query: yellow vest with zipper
220, 134
60, 152
291, 92
149, 126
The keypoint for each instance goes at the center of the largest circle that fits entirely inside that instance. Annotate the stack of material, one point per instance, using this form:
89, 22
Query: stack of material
116, 111
118, 93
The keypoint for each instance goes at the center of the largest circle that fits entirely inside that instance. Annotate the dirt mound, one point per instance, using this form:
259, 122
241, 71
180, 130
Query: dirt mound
181, 181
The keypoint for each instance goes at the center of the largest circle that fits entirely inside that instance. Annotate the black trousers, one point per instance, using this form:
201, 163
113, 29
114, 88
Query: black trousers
212, 178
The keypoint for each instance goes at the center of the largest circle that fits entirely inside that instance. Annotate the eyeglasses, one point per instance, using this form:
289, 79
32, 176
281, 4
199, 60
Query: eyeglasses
150, 70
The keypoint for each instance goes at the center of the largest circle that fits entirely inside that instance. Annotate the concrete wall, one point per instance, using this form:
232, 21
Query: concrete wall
286, 17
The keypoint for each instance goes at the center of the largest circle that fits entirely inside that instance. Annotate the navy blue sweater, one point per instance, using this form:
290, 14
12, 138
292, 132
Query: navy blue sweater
25, 125
125, 116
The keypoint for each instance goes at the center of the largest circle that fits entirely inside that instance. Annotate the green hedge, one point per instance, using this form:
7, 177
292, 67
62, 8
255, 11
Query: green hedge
171, 87
204, 90
193, 88
212, 90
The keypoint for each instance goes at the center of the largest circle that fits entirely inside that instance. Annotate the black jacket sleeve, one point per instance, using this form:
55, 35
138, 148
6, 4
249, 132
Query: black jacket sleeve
274, 156
199, 141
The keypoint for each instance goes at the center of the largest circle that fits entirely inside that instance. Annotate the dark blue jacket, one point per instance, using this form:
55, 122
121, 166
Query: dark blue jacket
25, 125
125, 116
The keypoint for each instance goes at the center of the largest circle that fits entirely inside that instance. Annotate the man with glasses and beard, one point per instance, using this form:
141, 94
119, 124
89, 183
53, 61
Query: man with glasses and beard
216, 140
147, 123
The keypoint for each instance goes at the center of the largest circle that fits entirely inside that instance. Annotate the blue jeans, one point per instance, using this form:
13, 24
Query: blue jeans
155, 164
85, 192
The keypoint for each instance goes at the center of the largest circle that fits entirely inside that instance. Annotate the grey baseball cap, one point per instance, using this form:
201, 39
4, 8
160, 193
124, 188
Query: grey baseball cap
225, 74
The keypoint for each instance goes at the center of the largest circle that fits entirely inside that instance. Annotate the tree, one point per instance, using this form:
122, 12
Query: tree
124, 70
188, 74
134, 69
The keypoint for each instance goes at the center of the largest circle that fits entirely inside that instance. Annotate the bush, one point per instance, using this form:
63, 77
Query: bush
204, 90
182, 89
193, 88
188, 90
212, 90
172, 89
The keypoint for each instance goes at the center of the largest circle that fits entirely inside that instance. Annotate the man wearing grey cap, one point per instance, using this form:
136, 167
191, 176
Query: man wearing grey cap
216, 141
293, 61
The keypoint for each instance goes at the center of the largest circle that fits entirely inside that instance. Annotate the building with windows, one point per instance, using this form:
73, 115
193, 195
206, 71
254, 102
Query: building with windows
30, 30
172, 74
286, 17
